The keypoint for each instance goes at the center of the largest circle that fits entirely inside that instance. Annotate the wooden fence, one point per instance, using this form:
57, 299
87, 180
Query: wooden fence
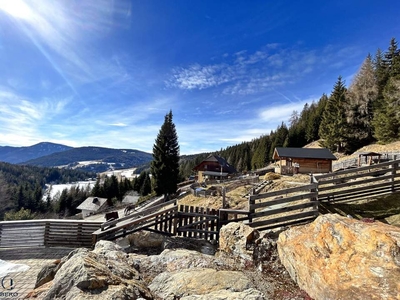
158, 218
359, 183
284, 207
49, 233
197, 222
353, 162
167, 219
265, 211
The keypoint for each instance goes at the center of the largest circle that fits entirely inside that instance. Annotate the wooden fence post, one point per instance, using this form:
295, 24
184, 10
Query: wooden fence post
46, 236
251, 202
394, 166
314, 181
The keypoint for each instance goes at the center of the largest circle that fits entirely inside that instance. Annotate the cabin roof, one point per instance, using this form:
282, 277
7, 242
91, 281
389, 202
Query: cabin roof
310, 153
221, 161
92, 204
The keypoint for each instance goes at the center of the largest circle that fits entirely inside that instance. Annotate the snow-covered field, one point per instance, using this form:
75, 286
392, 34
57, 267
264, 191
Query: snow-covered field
58, 188
123, 173
7, 267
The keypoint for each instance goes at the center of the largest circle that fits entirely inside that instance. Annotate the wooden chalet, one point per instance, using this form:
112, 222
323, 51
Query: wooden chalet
214, 167
92, 205
303, 160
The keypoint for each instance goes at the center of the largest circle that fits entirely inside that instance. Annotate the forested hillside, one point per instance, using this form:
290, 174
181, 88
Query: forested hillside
366, 111
22, 186
119, 157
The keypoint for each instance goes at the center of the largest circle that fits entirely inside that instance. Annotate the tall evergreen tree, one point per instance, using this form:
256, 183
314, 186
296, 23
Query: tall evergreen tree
381, 77
314, 118
363, 93
165, 164
387, 119
334, 129
392, 59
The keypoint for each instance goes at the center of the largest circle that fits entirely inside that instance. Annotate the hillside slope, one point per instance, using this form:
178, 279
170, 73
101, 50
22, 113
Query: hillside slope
117, 158
15, 155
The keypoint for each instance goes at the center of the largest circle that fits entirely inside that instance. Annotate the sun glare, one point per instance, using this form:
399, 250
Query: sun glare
16, 8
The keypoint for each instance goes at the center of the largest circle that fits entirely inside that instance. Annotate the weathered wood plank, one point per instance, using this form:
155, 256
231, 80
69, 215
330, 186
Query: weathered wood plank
283, 210
284, 192
285, 218
282, 200
296, 222
138, 214
356, 190
323, 188
366, 168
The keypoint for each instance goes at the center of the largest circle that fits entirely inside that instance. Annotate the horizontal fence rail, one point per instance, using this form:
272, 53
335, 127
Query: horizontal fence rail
269, 210
197, 222
48, 232
284, 207
359, 183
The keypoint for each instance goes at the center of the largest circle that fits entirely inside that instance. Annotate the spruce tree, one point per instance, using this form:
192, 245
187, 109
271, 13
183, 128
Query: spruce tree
165, 164
334, 128
363, 93
387, 119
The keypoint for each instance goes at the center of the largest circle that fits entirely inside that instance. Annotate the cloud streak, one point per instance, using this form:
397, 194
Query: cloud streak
245, 73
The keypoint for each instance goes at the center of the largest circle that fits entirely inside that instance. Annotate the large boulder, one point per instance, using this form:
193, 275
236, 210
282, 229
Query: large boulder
238, 239
204, 284
146, 239
104, 273
171, 260
342, 258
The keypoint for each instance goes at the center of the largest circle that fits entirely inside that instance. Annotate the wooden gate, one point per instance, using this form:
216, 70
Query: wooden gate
197, 222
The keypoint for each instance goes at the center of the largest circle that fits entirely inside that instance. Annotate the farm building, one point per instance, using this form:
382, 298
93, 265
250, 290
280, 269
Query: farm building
214, 167
92, 205
303, 160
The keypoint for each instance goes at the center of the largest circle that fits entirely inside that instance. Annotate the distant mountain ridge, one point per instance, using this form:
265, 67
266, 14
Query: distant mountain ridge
15, 155
95, 159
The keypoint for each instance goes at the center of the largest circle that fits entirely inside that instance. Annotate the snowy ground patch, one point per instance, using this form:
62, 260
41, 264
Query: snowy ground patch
7, 267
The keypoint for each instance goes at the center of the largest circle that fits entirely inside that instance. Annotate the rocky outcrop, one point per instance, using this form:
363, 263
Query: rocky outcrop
204, 284
146, 239
238, 239
186, 269
104, 273
342, 258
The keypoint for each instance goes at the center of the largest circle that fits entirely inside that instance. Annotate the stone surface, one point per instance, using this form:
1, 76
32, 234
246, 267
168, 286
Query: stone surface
171, 260
238, 239
104, 273
200, 245
204, 284
146, 239
46, 274
341, 258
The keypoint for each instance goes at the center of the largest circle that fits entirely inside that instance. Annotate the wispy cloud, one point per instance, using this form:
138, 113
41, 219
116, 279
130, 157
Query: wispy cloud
250, 73
119, 124
22, 120
66, 34
282, 112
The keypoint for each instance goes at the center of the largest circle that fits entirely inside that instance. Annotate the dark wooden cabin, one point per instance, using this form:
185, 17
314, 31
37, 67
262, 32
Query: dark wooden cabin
214, 167
303, 160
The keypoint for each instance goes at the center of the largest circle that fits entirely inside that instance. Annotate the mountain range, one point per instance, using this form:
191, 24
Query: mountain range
97, 159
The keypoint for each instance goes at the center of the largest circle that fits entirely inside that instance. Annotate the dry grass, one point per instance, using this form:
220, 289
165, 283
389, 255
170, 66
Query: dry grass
272, 176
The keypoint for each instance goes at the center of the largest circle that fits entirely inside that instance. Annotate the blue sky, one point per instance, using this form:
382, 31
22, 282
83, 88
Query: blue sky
105, 73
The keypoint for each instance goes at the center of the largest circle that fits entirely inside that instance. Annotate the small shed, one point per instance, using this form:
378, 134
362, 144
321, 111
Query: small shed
303, 160
92, 205
214, 167
368, 158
